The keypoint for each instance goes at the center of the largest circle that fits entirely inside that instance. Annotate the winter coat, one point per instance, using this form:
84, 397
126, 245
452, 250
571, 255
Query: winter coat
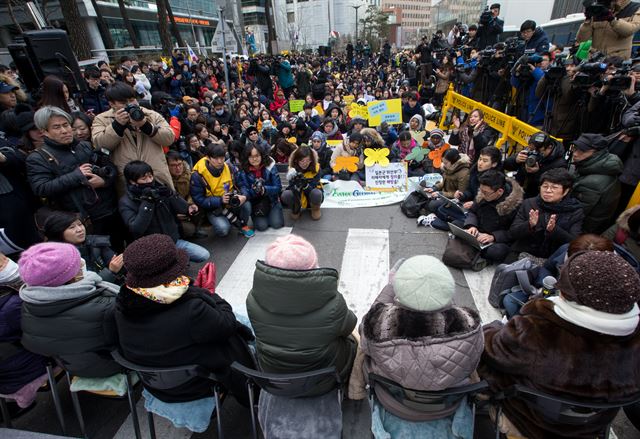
473, 186
613, 38
96, 252
157, 81
472, 142
495, 217
74, 323
455, 178
408, 112
285, 78
537, 240
301, 322
198, 328
621, 234
145, 217
272, 184
540, 350
206, 189
18, 366
415, 348
303, 82
530, 182
563, 120
539, 41
128, 145
535, 108
95, 100
597, 187
488, 34
53, 173
631, 172
182, 183
343, 151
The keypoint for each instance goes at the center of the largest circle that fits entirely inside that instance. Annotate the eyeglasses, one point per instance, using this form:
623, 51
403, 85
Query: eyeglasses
551, 187
487, 194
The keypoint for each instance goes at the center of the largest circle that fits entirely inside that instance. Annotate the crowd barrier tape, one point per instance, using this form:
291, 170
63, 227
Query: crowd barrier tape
510, 127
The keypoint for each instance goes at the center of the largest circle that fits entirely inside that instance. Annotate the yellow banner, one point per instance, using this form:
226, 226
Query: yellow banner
359, 110
348, 99
635, 198
389, 111
334, 143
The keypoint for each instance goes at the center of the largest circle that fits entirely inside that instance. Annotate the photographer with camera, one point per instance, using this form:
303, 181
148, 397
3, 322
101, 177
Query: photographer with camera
542, 154
525, 76
259, 181
72, 176
610, 24
150, 207
490, 26
536, 39
131, 132
630, 155
213, 189
304, 190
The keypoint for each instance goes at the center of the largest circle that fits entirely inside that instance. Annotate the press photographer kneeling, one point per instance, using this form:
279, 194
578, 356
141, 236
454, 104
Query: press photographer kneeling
304, 190
542, 154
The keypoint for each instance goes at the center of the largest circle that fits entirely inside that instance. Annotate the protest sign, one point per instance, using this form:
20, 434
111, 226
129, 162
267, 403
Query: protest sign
389, 111
360, 111
333, 143
392, 177
295, 106
341, 194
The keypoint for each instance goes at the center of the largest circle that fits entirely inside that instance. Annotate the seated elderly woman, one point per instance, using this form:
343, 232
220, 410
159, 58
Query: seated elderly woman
582, 344
409, 336
549, 220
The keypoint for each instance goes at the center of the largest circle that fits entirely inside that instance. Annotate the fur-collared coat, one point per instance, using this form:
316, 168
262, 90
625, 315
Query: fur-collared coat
621, 232
495, 217
540, 350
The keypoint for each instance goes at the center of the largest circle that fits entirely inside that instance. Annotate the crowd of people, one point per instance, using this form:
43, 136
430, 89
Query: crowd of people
107, 191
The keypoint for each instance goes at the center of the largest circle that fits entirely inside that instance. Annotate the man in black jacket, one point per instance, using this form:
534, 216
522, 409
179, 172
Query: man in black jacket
72, 176
492, 213
156, 77
93, 98
490, 27
543, 154
150, 207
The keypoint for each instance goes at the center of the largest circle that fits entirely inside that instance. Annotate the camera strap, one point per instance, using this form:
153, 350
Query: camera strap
628, 11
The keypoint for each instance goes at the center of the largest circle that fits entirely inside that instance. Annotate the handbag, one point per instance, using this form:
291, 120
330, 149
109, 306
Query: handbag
459, 254
207, 277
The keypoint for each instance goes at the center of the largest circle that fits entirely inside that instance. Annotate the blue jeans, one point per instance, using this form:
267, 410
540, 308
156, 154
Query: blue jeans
513, 301
275, 219
221, 224
196, 253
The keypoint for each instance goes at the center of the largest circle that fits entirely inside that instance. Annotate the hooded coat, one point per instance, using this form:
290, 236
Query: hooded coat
621, 233
538, 349
537, 240
301, 322
455, 178
613, 38
324, 153
597, 187
539, 41
74, 323
495, 217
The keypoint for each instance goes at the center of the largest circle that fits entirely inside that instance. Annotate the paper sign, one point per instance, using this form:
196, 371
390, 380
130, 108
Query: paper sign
431, 179
359, 111
348, 99
391, 118
296, 106
389, 178
334, 143
377, 108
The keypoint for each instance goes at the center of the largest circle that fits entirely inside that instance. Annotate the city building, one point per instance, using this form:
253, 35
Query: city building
446, 13
415, 17
562, 8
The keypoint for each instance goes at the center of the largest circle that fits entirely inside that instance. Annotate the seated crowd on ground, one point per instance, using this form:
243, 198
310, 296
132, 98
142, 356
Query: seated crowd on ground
105, 191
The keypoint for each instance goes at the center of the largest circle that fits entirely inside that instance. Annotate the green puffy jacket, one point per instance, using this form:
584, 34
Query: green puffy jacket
598, 189
301, 322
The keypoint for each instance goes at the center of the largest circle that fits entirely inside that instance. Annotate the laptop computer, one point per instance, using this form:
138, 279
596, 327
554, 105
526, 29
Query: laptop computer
453, 203
468, 237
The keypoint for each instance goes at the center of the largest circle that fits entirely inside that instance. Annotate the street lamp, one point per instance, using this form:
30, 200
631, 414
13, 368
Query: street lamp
356, 8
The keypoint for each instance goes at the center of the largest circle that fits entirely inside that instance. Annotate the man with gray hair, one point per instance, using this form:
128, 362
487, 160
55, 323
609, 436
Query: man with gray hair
72, 176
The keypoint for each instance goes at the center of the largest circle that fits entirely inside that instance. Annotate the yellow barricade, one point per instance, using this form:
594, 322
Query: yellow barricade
510, 127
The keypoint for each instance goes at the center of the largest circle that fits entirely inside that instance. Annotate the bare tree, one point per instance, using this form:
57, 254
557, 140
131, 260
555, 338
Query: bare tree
127, 23
13, 15
174, 27
78, 35
163, 29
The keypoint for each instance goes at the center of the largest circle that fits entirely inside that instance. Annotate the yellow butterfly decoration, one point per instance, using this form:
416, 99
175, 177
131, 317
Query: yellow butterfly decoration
379, 156
348, 163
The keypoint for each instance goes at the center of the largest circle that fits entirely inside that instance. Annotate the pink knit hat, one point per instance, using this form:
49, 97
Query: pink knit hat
292, 252
49, 264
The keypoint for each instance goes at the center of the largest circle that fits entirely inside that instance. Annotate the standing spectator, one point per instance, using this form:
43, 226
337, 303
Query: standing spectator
129, 139
535, 37
490, 27
156, 77
94, 100
8, 96
285, 77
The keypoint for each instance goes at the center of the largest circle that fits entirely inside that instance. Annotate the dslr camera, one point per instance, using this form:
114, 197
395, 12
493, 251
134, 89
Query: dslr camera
234, 200
596, 8
102, 172
135, 112
298, 182
537, 141
258, 187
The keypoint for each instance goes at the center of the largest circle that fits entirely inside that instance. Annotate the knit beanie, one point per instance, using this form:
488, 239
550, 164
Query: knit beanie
154, 260
49, 264
437, 132
423, 283
292, 252
601, 280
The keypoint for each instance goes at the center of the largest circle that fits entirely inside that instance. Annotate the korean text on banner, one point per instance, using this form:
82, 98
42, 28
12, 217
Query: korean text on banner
359, 111
389, 111
296, 106
392, 177
333, 143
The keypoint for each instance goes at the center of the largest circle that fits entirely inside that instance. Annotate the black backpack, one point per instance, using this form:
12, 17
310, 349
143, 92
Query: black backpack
413, 204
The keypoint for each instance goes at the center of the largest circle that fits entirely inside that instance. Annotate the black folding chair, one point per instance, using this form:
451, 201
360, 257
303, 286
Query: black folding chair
166, 378
294, 385
427, 401
560, 410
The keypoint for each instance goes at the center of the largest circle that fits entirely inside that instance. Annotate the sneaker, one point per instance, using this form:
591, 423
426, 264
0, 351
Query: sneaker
247, 231
426, 220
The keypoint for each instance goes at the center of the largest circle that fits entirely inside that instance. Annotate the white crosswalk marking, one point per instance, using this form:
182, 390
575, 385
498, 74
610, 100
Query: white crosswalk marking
479, 284
238, 280
365, 268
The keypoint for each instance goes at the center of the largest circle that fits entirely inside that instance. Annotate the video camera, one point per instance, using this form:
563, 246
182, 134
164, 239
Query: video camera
556, 70
590, 72
486, 16
596, 8
620, 80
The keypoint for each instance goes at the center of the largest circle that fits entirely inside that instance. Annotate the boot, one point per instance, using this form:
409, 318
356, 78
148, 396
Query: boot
295, 216
315, 212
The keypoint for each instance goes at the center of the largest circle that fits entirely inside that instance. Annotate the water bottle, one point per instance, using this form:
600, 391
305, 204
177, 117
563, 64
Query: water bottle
549, 286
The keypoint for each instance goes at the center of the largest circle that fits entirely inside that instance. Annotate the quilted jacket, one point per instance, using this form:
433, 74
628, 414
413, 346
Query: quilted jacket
420, 350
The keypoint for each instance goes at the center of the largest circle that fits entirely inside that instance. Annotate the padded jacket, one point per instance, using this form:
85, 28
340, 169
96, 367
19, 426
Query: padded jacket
301, 322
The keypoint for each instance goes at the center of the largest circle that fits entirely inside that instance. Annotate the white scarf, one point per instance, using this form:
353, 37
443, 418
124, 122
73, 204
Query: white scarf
619, 325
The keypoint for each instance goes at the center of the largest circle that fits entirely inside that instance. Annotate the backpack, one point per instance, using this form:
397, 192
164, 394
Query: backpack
518, 274
459, 254
413, 204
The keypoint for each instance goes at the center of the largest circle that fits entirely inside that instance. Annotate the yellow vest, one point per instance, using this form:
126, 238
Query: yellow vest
215, 186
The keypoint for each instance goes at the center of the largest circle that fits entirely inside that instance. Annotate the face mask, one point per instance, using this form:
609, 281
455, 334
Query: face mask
220, 112
9, 275
144, 186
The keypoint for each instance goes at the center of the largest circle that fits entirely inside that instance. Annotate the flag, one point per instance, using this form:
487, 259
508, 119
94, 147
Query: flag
193, 58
